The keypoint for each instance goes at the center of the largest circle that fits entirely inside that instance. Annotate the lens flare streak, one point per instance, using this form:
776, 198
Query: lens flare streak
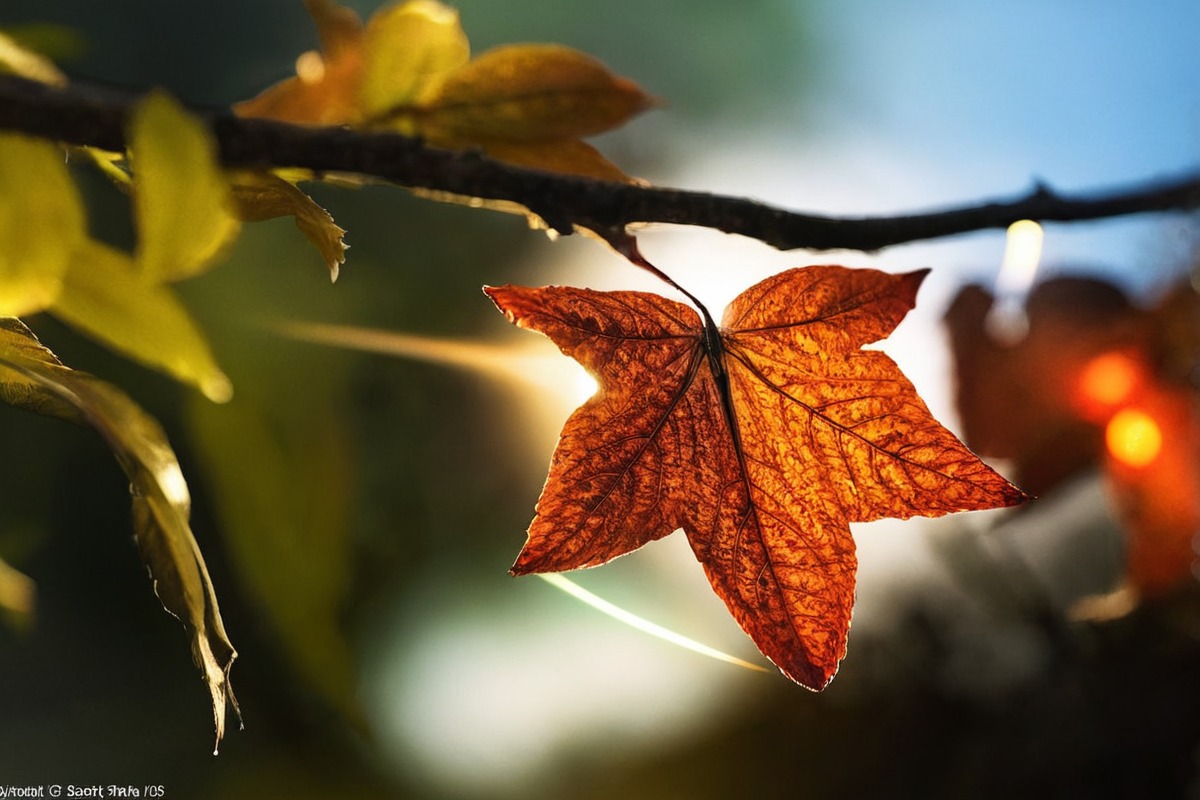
531, 365
644, 625
543, 367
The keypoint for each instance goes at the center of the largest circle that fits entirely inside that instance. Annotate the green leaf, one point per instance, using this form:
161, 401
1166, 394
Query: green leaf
41, 222
105, 296
181, 198
407, 48
31, 377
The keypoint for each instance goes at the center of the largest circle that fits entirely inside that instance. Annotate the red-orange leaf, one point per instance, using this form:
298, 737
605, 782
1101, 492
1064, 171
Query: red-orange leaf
761, 439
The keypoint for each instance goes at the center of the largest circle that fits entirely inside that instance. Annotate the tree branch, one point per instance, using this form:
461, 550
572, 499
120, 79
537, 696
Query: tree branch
94, 116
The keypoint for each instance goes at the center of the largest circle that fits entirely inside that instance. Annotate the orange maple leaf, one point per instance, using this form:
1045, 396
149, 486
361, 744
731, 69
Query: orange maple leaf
762, 439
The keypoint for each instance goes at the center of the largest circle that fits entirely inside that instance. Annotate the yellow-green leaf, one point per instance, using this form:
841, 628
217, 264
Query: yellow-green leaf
111, 164
407, 47
528, 93
107, 297
17, 596
181, 198
25, 62
264, 195
41, 222
32, 377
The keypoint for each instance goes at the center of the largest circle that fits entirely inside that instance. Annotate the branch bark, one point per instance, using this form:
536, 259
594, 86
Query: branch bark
89, 115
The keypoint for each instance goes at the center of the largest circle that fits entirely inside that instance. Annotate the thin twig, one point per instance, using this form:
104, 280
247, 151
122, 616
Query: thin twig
88, 115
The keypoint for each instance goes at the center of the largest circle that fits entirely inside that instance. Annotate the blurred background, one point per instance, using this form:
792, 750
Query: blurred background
359, 509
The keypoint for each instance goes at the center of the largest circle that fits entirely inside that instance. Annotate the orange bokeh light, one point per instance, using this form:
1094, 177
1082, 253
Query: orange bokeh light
1107, 381
1133, 437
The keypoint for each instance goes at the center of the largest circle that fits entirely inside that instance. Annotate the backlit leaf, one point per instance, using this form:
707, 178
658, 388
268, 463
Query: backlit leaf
31, 377
324, 90
263, 195
181, 198
339, 29
529, 93
22, 61
560, 155
409, 70
107, 297
763, 439
17, 596
41, 222
407, 48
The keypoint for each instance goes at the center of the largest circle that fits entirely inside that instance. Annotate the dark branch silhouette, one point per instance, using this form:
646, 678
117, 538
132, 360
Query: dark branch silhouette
89, 115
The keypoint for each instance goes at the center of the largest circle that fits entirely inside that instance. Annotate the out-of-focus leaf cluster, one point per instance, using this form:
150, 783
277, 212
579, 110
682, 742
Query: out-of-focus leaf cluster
124, 300
187, 212
31, 377
409, 69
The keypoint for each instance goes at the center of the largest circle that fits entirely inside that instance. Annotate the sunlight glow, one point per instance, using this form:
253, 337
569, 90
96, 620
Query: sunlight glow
644, 625
1133, 437
585, 385
1022, 252
541, 366
173, 484
548, 371
1006, 322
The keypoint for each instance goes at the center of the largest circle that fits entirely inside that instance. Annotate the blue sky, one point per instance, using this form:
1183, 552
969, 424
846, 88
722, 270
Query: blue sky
1092, 91
985, 98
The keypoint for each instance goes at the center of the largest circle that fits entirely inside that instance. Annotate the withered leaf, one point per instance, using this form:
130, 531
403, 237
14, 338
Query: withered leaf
762, 439
31, 377
259, 196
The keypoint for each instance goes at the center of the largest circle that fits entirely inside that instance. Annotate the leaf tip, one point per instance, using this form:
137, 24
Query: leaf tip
497, 294
531, 563
912, 282
217, 387
809, 675
1014, 495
